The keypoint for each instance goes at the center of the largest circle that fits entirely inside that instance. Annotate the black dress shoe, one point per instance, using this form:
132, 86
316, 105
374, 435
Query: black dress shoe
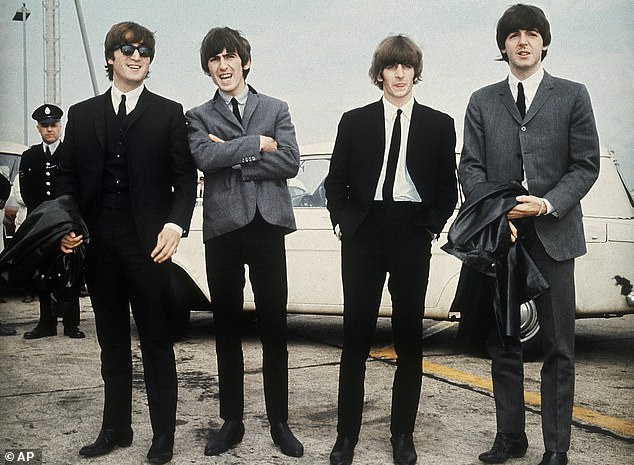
554, 458
162, 448
37, 333
287, 442
343, 451
403, 450
106, 441
229, 435
74, 333
505, 446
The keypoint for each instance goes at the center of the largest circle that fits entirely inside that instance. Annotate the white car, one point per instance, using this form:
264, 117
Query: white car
603, 275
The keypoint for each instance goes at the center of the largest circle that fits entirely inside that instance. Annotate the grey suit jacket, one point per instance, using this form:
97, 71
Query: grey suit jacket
556, 142
238, 177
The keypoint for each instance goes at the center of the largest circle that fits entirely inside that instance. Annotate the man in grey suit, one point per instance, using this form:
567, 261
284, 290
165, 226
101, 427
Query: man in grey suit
245, 145
541, 130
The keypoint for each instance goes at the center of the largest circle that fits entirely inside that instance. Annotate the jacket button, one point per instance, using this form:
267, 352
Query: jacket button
523, 129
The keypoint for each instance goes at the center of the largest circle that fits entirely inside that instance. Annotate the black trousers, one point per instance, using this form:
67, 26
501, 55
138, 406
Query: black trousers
260, 246
121, 275
48, 318
386, 242
556, 315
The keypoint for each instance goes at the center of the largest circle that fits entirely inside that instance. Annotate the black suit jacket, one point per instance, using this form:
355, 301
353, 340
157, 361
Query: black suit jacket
358, 156
161, 170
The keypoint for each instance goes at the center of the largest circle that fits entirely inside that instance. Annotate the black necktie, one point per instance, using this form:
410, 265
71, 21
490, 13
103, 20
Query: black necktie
521, 99
392, 159
48, 152
236, 110
122, 111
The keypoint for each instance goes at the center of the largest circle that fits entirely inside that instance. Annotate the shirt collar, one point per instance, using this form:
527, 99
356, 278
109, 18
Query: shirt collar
52, 147
530, 84
131, 98
241, 97
390, 109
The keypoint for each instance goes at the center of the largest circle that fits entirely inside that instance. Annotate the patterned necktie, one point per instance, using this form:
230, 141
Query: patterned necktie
392, 159
236, 110
521, 99
122, 110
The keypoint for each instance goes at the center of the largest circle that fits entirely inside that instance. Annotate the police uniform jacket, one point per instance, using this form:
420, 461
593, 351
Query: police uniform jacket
37, 175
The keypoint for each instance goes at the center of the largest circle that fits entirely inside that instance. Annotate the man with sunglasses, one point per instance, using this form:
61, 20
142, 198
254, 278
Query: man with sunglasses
38, 170
127, 163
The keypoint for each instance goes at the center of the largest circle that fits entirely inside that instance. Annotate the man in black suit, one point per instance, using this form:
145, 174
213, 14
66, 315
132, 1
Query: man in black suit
390, 189
127, 162
38, 169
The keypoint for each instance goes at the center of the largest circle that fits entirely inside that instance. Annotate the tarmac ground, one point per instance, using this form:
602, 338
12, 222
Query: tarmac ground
51, 396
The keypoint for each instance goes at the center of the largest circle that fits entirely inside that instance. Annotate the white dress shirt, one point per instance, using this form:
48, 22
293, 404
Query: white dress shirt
404, 188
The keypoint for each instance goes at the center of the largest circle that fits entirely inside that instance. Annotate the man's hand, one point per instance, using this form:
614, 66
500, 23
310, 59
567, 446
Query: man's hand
216, 139
166, 245
528, 205
70, 241
513, 231
267, 144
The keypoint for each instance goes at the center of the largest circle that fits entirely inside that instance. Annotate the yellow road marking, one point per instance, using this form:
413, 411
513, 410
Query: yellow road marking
583, 414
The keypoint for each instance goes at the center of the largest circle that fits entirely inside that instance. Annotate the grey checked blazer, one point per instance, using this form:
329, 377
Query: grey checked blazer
238, 177
556, 142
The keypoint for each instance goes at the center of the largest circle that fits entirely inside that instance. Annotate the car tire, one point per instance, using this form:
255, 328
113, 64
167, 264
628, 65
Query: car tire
180, 310
530, 333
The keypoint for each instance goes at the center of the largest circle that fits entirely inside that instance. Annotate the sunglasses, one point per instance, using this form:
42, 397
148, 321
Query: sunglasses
129, 49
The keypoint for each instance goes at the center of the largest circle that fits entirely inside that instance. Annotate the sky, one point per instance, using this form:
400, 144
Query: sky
315, 55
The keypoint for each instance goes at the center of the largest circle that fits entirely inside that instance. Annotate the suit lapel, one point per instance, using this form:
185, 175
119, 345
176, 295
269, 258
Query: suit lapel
504, 92
544, 92
376, 137
252, 103
100, 118
222, 108
141, 106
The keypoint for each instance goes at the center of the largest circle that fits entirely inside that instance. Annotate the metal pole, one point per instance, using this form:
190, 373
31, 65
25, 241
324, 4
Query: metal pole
84, 36
26, 105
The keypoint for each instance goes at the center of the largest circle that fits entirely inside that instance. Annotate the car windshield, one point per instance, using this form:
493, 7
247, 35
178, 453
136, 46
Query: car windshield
307, 188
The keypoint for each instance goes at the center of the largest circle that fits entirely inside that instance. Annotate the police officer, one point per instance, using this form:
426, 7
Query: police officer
38, 168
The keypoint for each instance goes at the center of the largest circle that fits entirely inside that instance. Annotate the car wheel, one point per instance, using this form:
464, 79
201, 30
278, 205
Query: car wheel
530, 333
180, 310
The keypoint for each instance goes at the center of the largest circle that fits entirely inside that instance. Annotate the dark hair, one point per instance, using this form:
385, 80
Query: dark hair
224, 38
526, 17
393, 50
126, 32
